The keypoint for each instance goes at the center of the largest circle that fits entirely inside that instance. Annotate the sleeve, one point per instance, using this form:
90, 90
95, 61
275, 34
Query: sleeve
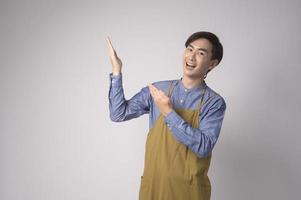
122, 109
200, 140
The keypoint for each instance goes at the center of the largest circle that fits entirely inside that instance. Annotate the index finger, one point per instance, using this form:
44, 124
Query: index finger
154, 90
109, 41
110, 44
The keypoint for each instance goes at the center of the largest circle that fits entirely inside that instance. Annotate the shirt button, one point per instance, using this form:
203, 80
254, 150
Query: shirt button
181, 100
186, 90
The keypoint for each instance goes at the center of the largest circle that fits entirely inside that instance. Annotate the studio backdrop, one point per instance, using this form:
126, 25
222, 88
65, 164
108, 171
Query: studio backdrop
57, 141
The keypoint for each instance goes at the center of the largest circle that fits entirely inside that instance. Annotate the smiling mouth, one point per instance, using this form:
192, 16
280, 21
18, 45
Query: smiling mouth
190, 66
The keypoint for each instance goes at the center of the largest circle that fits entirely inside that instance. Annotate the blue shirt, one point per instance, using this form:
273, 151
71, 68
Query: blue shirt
200, 140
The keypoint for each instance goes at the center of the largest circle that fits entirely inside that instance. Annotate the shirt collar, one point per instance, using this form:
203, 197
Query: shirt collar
198, 87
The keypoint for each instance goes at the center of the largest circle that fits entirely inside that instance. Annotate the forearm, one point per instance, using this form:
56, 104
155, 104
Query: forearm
202, 139
122, 109
193, 138
117, 102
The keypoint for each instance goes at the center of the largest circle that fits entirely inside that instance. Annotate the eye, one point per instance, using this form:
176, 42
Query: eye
201, 53
189, 49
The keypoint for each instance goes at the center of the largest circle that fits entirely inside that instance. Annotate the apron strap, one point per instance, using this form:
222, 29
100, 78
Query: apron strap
170, 89
202, 102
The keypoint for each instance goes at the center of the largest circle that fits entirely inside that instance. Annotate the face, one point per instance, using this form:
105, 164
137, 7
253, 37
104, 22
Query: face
197, 59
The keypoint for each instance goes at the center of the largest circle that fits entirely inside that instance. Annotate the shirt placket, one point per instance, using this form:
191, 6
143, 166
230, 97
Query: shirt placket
183, 97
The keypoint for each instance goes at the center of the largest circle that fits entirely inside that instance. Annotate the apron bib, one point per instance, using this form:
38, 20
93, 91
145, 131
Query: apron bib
171, 170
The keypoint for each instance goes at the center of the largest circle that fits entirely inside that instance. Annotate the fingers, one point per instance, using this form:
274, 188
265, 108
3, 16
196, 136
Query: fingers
155, 92
110, 47
152, 90
110, 43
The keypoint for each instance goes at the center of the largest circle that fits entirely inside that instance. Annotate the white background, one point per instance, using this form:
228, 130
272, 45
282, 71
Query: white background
56, 138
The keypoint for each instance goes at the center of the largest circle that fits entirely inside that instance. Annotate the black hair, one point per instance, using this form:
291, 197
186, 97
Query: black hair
217, 47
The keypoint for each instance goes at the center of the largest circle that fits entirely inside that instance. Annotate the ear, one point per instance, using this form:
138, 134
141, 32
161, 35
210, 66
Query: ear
213, 63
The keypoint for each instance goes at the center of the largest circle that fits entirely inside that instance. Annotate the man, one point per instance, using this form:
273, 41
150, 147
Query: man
186, 116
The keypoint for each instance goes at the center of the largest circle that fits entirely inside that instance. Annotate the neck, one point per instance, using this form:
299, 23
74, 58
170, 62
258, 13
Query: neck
190, 83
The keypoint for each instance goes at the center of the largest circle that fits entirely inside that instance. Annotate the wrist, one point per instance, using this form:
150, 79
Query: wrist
167, 112
116, 73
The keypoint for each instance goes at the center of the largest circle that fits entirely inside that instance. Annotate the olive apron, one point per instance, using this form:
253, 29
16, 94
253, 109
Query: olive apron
171, 170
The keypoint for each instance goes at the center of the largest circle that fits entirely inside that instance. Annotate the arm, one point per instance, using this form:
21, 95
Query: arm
122, 109
200, 140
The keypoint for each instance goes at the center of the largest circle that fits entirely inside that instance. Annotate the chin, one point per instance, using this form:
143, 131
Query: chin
191, 74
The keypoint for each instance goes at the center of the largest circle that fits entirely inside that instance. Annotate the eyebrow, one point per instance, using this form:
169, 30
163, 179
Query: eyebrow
202, 49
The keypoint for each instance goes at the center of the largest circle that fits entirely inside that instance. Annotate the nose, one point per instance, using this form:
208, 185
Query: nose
191, 56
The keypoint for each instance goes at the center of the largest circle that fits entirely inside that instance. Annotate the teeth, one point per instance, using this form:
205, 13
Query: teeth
191, 65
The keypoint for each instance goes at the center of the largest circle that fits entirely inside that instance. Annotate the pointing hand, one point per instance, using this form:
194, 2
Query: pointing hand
161, 100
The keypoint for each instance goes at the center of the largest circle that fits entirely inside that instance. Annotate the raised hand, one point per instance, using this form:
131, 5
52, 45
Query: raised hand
115, 60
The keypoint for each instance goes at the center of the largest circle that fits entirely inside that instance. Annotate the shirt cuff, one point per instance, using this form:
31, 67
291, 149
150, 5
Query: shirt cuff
116, 80
172, 119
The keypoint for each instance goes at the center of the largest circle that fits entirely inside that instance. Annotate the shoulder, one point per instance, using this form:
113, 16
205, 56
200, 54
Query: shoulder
214, 99
163, 85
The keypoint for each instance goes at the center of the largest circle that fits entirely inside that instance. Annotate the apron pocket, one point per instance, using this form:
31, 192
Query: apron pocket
201, 192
